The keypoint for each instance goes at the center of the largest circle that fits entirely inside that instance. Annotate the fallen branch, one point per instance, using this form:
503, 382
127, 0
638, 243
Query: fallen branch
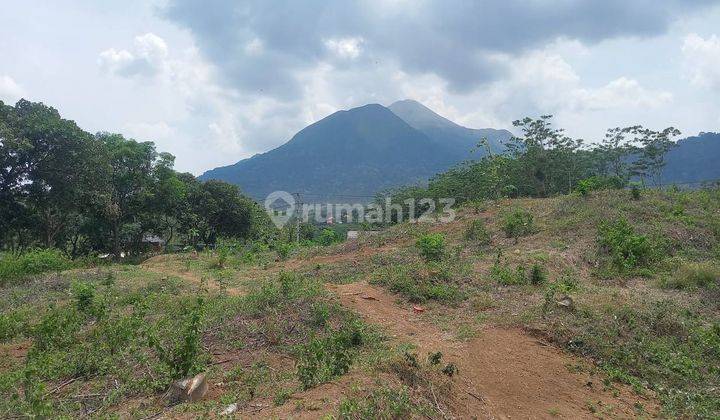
61, 386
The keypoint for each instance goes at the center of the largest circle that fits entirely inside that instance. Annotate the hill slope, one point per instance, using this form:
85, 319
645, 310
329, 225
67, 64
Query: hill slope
443, 131
694, 159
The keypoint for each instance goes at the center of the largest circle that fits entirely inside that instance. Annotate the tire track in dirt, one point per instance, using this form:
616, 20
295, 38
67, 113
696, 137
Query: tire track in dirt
503, 373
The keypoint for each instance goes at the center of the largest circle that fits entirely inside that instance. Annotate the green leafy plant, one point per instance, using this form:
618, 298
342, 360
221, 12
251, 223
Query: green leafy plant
84, 294
538, 274
283, 250
518, 223
627, 249
477, 232
327, 237
329, 356
431, 246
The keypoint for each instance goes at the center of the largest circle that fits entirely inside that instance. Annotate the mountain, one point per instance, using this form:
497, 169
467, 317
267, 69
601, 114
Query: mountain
359, 152
356, 152
443, 131
695, 159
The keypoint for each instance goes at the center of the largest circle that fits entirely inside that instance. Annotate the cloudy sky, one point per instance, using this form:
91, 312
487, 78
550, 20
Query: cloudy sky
216, 81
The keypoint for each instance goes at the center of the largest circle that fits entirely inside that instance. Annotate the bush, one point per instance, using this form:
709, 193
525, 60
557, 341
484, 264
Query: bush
505, 276
325, 358
538, 275
518, 223
627, 249
32, 262
635, 192
84, 294
182, 355
432, 246
416, 287
476, 231
327, 237
594, 183
283, 250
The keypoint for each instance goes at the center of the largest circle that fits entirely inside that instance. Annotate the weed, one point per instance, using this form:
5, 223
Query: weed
538, 274
518, 223
84, 295
626, 248
329, 356
418, 287
182, 354
382, 403
477, 232
283, 250
692, 275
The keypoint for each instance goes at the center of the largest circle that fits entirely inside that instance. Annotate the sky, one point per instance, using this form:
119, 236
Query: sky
216, 81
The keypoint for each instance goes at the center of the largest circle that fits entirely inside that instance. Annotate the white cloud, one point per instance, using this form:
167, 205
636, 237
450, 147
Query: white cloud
10, 91
346, 48
621, 93
702, 60
152, 131
146, 58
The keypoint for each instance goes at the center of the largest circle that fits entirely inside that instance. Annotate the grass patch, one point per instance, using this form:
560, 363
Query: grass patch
435, 283
693, 275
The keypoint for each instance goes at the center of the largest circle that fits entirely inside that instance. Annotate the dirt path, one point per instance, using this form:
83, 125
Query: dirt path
503, 373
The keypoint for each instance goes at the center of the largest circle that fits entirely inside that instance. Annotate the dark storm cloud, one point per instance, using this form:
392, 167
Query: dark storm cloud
452, 39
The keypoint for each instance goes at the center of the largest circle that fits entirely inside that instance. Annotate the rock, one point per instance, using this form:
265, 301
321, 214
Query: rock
229, 409
191, 389
566, 302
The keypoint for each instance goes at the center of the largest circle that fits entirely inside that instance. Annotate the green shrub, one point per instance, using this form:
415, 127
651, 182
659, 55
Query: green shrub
538, 274
627, 249
283, 250
416, 287
635, 192
431, 246
182, 354
595, 183
84, 294
518, 223
327, 237
32, 262
476, 231
15, 323
329, 356
504, 275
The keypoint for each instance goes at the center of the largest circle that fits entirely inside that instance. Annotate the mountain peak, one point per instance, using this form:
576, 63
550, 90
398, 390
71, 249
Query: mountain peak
419, 116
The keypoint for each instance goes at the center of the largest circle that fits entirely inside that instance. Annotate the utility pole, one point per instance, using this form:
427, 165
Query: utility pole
298, 210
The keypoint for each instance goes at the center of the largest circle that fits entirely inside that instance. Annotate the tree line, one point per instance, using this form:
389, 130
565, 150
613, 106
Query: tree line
63, 187
543, 161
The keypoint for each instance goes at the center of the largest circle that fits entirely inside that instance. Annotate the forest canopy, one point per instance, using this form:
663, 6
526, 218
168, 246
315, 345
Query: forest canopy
63, 187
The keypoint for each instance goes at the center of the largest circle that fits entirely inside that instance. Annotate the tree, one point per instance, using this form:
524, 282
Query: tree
128, 181
655, 145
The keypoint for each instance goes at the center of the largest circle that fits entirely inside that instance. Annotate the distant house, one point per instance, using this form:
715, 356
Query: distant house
157, 243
